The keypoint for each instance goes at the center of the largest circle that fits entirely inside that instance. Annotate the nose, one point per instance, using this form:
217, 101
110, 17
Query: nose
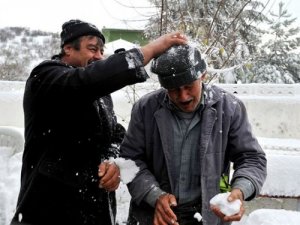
98, 55
183, 95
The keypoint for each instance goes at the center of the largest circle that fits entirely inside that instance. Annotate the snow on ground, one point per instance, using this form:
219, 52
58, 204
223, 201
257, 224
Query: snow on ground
10, 165
270, 217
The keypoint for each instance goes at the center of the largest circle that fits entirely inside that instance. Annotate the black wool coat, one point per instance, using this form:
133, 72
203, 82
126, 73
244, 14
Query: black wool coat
70, 127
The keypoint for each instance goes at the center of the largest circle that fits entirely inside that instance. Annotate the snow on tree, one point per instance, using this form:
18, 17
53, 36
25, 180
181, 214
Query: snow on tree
225, 31
22, 49
230, 35
279, 61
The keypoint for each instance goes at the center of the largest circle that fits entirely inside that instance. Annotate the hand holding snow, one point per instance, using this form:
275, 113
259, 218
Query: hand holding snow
226, 207
128, 169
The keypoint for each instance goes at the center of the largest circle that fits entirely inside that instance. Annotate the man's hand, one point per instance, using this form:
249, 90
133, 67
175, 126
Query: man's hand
163, 214
109, 174
235, 194
161, 44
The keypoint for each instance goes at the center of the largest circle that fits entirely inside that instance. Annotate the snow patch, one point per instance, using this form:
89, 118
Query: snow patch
226, 207
128, 169
273, 217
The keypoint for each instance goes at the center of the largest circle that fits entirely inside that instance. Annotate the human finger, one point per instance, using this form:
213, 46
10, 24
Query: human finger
217, 211
102, 168
111, 179
236, 217
163, 206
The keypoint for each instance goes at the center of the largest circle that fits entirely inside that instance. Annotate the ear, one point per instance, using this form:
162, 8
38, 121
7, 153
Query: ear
203, 76
67, 49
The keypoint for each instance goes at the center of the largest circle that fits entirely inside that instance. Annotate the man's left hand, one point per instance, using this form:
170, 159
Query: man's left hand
109, 174
235, 194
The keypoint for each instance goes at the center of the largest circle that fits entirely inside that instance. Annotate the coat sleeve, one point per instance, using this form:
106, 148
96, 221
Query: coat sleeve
248, 158
118, 135
54, 79
134, 148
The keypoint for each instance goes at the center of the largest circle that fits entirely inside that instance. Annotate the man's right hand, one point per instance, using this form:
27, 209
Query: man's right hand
161, 44
164, 214
109, 174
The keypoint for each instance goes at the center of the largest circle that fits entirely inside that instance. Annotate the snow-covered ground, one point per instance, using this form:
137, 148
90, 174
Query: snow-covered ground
283, 167
289, 165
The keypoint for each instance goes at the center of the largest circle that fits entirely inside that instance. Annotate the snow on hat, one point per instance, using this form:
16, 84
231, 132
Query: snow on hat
76, 28
180, 65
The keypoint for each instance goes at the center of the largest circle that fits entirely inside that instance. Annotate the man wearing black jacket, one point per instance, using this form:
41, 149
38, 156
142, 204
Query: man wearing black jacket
71, 128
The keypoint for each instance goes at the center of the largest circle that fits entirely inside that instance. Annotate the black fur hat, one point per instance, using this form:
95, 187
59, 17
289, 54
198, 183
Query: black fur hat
76, 28
178, 66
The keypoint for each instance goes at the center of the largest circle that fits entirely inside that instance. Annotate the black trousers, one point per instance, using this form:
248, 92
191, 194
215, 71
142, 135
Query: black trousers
185, 213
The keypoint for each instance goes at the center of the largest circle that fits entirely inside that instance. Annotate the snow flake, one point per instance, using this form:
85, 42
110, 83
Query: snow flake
198, 216
20, 217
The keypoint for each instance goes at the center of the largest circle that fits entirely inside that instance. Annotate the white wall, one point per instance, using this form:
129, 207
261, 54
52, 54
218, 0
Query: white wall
11, 103
274, 110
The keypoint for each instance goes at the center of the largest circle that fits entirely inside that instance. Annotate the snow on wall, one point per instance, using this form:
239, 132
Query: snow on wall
11, 106
273, 109
283, 173
283, 167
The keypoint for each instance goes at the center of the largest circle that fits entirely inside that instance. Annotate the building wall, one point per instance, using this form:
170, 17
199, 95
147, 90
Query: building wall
134, 36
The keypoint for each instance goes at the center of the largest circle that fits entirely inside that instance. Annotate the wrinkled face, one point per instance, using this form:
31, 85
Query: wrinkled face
187, 97
90, 50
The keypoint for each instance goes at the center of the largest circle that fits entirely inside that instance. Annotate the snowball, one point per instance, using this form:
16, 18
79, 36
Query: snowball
198, 216
226, 207
128, 169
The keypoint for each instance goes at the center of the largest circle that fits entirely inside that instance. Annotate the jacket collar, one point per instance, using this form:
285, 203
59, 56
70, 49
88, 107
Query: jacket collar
212, 94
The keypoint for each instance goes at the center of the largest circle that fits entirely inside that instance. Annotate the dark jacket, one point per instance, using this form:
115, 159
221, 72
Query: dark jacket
70, 127
225, 137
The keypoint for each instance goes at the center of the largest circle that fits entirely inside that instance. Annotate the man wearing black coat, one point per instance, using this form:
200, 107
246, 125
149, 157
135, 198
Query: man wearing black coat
71, 130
